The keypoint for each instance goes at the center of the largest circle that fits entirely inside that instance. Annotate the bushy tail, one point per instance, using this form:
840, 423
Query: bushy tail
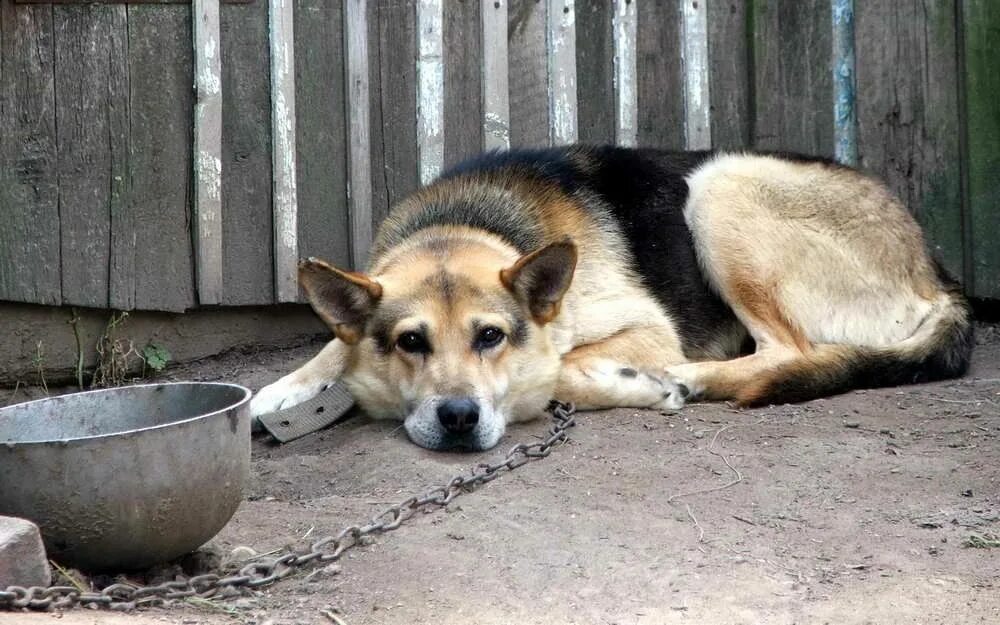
940, 349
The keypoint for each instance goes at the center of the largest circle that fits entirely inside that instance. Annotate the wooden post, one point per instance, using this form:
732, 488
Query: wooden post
286, 249
845, 117
359, 177
496, 98
208, 151
430, 89
626, 96
694, 52
560, 46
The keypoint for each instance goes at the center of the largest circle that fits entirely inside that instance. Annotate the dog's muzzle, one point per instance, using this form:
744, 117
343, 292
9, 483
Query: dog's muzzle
442, 423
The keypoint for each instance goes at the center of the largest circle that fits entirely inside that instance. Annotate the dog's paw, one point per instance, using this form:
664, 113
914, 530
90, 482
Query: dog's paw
284, 393
675, 394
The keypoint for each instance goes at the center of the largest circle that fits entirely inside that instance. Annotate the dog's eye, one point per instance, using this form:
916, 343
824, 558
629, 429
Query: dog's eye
488, 337
413, 342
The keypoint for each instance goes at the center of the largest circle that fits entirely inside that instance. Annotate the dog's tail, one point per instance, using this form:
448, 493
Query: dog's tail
938, 350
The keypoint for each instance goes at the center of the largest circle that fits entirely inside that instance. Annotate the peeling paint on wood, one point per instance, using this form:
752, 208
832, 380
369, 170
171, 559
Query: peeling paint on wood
283, 155
430, 89
694, 52
845, 119
561, 52
208, 151
626, 95
359, 180
496, 98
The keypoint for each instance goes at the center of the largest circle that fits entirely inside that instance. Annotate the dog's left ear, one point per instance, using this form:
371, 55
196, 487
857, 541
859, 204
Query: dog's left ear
540, 279
343, 299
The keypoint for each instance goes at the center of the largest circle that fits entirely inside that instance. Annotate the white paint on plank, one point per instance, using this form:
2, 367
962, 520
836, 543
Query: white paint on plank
430, 89
207, 151
626, 92
694, 52
359, 180
561, 51
496, 97
284, 198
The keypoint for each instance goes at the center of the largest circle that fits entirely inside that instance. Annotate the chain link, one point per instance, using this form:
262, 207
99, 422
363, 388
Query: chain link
124, 597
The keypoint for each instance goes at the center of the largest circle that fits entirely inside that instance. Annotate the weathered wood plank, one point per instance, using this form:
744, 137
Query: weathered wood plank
660, 89
626, 97
595, 56
359, 121
845, 116
982, 108
29, 209
729, 71
157, 230
561, 50
207, 151
430, 89
697, 102
322, 136
495, 75
247, 217
529, 76
792, 76
463, 79
283, 157
908, 121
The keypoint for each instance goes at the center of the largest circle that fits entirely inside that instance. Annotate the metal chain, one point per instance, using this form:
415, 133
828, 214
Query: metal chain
124, 597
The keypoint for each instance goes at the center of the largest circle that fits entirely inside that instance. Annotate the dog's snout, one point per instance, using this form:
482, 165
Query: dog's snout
458, 416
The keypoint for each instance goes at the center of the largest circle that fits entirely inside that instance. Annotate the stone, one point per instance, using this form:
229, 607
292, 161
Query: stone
22, 554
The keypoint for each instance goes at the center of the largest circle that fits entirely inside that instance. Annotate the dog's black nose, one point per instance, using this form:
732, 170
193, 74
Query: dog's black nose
458, 416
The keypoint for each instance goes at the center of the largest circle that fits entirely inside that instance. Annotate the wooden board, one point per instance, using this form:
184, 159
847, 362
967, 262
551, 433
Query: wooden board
247, 222
358, 109
529, 108
561, 51
156, 233
283, 154
595, 71
792, 76
697, 101
29, 209
908, 121
729, 71
322, 136
495, 75
463, 79
660, 88
430, 89
982, 108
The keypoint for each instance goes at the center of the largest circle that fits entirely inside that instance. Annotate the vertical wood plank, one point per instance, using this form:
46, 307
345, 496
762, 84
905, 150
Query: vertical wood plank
29, 204
155, 234
660, 88
595, 67
845, 119
729, 72
495, 71
792, 78
697, 102
359, 158
208, 151
981, 26
463, 79
286, 248
626, 96
529, 75
561, 51
91, 90
430, 89
320, 75
908, 121
247, 215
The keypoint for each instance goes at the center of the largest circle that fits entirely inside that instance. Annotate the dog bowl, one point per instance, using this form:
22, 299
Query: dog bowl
125, 478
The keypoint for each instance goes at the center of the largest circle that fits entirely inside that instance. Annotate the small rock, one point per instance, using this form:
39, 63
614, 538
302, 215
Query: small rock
22, 556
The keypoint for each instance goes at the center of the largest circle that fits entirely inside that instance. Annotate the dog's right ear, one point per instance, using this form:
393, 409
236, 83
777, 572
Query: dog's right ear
343, 299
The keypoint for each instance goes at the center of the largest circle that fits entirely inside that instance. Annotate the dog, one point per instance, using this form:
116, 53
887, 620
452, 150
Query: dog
612, 277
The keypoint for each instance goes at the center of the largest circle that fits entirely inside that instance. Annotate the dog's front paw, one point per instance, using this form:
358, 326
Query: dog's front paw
675, 394
284, 393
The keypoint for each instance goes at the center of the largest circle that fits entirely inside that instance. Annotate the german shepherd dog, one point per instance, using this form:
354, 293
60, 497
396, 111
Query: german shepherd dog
613, 277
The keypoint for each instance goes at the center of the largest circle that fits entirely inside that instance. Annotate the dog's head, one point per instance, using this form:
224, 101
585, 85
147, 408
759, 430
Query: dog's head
450, 334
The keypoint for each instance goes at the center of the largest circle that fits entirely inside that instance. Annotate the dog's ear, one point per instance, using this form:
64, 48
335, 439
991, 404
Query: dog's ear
540, 279
343, 299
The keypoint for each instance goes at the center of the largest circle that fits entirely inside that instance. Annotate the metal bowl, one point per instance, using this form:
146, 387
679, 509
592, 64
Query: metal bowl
125, 478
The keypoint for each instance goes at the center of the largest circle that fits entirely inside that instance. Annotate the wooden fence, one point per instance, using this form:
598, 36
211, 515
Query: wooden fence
123, 187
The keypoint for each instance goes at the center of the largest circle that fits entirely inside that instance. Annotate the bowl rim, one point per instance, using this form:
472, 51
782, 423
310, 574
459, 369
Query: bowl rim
246, 392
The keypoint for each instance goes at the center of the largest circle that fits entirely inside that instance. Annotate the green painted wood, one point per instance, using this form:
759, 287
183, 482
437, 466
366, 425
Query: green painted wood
595, 72
982, 109
29, 208
908, 121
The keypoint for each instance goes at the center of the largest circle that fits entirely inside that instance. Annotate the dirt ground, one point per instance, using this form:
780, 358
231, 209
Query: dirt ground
849, 510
